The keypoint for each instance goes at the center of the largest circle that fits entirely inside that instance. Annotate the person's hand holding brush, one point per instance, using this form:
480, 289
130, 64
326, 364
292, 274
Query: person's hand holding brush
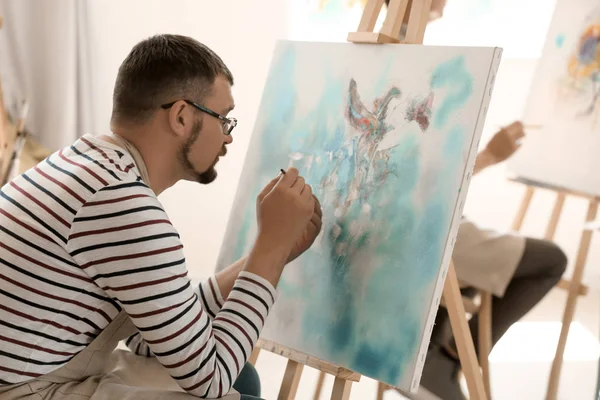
503, 145
289, 220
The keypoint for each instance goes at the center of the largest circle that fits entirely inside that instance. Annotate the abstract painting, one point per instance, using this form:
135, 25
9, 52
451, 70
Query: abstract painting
563, 101
386, 135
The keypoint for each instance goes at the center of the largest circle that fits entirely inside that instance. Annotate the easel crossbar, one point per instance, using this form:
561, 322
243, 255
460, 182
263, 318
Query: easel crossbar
309, 361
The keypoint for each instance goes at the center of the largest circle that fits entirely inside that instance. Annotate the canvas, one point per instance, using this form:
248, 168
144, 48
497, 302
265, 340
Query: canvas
564, 100
386, 135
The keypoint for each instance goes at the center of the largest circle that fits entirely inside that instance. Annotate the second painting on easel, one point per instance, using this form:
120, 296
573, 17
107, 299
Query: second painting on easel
386, 137
564, 101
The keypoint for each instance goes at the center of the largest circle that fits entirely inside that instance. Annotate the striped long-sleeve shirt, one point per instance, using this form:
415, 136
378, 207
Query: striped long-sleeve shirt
83, 237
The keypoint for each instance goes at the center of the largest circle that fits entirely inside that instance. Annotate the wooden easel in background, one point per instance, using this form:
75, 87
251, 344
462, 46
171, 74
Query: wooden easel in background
415, 15
574, 287
12, 138
10, 162
3, 135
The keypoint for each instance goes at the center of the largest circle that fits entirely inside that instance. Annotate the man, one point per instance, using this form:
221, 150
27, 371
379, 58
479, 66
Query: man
88, 256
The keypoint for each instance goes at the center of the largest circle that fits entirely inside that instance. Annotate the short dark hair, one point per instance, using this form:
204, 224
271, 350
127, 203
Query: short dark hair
164, 68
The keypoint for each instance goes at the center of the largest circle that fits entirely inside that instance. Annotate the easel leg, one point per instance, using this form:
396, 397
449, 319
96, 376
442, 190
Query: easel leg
291, 379
381, 389
341, 389
556, 211
485, 339
319, 387
462, 336
584, 246
520, 217
254, 356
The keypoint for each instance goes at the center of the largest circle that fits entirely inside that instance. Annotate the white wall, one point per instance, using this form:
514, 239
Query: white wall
243, 34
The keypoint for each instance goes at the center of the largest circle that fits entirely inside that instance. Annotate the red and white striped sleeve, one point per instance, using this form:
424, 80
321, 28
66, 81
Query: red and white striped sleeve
122, 238
138, 345
211, 296
212, 301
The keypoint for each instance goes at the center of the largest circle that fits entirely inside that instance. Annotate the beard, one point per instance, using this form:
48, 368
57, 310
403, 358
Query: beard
207, 176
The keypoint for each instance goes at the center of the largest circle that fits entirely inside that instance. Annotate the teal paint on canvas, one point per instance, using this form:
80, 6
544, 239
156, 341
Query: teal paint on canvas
559, 40
386, 158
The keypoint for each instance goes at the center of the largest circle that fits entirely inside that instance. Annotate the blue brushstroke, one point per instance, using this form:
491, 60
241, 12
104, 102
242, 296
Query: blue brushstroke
559, 40
382, 83
454, 76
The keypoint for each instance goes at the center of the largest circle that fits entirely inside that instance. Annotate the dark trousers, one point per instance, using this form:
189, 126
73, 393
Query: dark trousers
248, 383
541, 267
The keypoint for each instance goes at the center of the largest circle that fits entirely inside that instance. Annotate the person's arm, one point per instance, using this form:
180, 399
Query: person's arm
124, 241
122, 238
212, 293
484, 159
502, 145
213, 290
138, 345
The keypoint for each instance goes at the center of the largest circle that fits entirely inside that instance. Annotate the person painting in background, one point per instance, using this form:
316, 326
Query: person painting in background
519, 271
88, 256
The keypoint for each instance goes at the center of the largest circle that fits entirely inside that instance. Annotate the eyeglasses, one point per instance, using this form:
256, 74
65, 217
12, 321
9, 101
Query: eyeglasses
227, 123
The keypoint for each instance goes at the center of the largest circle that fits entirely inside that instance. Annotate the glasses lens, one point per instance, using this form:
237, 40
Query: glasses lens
230, 125
226, 127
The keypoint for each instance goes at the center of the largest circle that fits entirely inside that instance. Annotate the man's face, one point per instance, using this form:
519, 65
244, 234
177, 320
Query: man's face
206, 144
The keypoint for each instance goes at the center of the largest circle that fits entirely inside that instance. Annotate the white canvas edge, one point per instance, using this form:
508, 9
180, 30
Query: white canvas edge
458, 212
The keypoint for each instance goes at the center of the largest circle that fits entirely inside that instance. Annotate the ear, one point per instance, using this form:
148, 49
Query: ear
179, 118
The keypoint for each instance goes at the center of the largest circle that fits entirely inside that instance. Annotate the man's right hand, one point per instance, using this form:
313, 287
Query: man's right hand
284, 208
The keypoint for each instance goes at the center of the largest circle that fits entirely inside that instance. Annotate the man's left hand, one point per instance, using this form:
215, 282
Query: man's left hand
312, 230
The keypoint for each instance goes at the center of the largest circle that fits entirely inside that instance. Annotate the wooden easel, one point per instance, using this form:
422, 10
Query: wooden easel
574, 287
11, 164
415, 14
11, 146
3, 135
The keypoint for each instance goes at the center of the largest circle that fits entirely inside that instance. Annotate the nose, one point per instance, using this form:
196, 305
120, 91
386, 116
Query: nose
228, 139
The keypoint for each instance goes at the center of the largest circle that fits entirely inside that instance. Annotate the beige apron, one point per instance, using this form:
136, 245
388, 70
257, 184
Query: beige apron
485, 259
99, 372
